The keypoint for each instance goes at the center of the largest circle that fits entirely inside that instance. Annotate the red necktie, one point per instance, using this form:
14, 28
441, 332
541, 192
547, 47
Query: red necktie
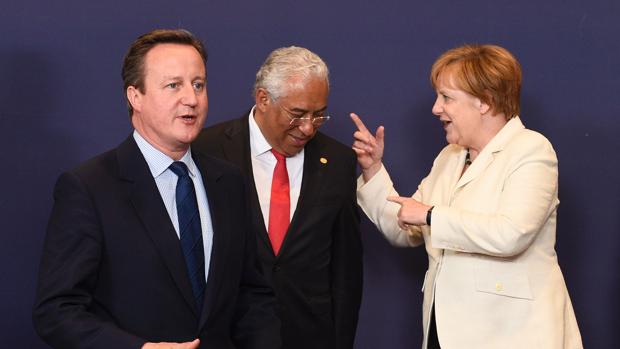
280, 204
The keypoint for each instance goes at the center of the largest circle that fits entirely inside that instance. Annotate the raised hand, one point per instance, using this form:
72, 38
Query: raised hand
369, 148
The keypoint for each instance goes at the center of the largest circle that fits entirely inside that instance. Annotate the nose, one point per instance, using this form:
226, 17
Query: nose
438, 106
189, 97
307, 128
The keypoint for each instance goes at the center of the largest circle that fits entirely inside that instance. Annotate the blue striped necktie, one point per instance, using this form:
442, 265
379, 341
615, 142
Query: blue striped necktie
190, 231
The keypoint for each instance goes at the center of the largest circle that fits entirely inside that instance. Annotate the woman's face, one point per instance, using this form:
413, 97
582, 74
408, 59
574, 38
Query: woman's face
459, 112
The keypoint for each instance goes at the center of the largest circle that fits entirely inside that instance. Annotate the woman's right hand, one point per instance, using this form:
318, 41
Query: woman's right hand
369, 148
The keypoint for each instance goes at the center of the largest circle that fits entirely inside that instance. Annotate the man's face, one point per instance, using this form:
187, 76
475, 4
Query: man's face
301, 98
173, 108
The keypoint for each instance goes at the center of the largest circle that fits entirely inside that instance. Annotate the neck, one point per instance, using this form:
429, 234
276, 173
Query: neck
491, 125
175, 154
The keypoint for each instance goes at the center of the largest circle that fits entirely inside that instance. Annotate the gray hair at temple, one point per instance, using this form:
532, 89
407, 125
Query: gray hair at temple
285, 63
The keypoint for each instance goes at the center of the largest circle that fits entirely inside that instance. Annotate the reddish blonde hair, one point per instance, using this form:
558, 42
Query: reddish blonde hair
488, 72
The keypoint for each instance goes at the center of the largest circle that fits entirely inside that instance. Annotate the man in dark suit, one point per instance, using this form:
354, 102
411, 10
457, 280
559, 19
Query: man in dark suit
147, 245
303, 199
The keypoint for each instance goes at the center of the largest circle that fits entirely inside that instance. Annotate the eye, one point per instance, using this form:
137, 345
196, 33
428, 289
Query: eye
199, 85
296, 115
173, 85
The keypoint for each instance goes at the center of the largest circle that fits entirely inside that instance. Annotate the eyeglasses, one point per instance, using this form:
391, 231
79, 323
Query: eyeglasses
297, 121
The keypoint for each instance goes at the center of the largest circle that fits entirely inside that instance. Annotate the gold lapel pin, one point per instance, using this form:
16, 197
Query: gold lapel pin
323, 161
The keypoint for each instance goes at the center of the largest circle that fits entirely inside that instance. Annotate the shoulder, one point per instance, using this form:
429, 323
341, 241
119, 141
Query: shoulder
448, 152
210, 162
104, 164
217, 168
329, 146
210, 139
97, 174
530, 144
229, 127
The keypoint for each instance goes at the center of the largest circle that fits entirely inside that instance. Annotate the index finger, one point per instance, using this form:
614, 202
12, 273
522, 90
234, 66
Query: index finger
358, 122
397, 199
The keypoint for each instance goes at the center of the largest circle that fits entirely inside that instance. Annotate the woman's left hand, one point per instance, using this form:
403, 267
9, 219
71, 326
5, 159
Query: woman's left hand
412, 212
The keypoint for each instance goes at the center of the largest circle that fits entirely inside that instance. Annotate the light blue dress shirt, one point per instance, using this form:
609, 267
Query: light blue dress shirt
166, 181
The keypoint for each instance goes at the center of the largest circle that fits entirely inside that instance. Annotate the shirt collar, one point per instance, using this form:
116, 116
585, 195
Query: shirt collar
159, 162
258, 143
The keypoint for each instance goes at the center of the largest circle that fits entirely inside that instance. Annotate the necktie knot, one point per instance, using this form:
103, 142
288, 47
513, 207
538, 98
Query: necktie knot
280, 157
179, 168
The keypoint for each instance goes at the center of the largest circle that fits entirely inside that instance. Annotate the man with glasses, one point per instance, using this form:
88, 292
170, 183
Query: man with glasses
303, 200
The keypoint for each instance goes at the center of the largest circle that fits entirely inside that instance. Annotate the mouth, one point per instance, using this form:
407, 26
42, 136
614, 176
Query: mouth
445, 123
188, 118
299, 141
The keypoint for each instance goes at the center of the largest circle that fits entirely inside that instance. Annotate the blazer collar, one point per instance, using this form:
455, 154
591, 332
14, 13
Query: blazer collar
216, 194
236, 149
486, 156
316, 160
146, 200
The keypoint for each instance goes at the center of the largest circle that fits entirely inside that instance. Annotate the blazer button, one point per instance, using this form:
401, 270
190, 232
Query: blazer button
499, 287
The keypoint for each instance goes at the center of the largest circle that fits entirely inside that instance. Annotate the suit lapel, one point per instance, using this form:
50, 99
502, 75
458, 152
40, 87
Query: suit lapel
215, 196
236, 149
147, 202
486, 156
476, 168
315, 164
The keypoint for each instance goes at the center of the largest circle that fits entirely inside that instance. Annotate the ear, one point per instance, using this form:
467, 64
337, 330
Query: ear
483, 107
134, 96
262, 99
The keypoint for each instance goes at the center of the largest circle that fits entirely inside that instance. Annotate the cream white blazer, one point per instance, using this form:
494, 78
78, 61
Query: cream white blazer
493, 272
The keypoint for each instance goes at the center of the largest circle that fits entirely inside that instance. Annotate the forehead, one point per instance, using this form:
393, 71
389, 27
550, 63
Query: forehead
310, 90
448, 78
171, 58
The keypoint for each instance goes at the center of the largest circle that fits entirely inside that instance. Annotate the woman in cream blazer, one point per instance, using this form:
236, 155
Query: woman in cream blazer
486, 213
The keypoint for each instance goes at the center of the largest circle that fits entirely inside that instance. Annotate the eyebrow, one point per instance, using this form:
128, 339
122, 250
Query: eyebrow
301, 110
170, 77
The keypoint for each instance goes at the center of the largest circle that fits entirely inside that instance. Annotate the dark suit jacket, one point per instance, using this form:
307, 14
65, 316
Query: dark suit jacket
317, 275
113, 275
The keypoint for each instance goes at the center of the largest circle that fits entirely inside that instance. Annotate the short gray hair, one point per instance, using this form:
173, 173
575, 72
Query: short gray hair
285, 63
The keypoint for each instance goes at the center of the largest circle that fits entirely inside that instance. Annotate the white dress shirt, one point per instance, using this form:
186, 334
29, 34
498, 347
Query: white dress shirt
166, 181
263, 164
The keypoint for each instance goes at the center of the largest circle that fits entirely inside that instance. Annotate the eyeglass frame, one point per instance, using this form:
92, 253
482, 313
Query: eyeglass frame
296, 121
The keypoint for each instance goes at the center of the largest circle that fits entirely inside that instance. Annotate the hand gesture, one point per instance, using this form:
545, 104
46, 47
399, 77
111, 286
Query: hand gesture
412, 212
369, 148
165, 345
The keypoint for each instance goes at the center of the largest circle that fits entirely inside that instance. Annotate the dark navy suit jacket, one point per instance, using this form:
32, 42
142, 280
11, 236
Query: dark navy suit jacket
112, 273
317, 274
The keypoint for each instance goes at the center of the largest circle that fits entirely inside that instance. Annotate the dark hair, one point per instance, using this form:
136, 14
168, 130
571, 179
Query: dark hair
133, 64
488, 72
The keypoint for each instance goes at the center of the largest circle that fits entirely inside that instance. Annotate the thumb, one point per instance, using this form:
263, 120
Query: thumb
193, 344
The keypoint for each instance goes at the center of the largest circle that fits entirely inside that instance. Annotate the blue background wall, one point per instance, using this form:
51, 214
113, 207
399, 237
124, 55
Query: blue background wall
61, 102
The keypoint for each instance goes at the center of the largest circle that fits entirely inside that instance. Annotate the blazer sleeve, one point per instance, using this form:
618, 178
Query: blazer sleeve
347, 266
528, 198
372, 198
68, 274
